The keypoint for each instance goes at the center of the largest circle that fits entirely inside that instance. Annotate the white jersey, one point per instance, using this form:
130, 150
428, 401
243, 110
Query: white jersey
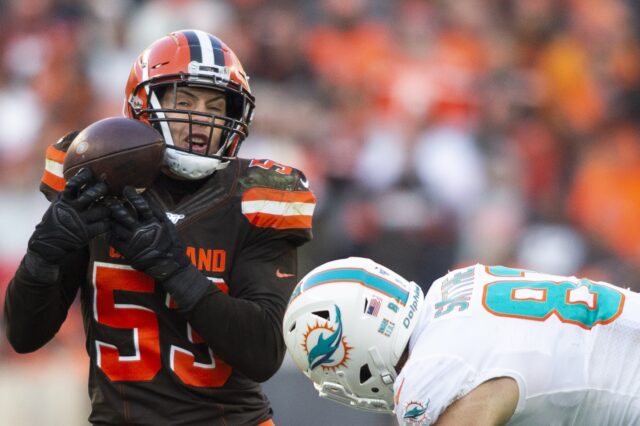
572, 345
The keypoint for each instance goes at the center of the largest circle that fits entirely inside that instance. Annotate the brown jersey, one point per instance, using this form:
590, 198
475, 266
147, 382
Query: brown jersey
155, 363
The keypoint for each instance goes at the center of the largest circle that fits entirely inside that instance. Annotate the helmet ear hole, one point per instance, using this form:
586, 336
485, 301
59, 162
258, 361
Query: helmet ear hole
293, 327
365, 373
322, 314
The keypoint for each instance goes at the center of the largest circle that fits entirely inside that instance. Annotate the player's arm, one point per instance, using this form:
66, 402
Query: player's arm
490, 404
245, 328
37, 301
43, 287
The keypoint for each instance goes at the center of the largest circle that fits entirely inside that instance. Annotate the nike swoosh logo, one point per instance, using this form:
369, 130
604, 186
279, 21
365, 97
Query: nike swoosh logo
282, 274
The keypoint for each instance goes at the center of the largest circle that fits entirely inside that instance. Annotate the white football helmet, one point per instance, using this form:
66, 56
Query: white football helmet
346, 326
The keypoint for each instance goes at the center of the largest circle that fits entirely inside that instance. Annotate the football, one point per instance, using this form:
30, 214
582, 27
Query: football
119, 151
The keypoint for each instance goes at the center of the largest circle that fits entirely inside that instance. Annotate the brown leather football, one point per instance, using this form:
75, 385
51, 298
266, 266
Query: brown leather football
118, 150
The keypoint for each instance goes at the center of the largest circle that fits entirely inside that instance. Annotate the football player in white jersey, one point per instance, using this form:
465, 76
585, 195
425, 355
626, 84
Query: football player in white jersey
488, 345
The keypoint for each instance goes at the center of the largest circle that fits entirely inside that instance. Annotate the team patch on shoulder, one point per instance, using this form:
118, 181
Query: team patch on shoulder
415, 413
279, 209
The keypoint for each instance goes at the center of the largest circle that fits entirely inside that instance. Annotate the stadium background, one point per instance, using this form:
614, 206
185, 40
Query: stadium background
434, 133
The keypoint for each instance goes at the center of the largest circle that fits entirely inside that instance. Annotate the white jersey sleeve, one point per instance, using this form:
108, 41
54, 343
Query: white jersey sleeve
434, 383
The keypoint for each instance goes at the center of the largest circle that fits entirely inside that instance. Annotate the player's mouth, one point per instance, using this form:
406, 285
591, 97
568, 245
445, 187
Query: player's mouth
198, 143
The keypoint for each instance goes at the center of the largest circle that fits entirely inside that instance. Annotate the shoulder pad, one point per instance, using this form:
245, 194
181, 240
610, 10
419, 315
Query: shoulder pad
276, 196
52, 181
268, 173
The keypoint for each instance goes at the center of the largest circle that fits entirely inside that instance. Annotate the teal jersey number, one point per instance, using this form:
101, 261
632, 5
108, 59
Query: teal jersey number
583, 303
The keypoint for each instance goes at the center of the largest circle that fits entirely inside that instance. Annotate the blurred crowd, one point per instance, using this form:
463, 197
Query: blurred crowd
435, 133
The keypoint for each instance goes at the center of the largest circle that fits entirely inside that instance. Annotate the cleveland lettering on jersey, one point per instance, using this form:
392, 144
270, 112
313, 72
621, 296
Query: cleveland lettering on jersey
206, 259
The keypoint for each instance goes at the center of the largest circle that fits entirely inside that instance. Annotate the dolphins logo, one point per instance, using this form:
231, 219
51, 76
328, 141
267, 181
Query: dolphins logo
416, 413
330, 351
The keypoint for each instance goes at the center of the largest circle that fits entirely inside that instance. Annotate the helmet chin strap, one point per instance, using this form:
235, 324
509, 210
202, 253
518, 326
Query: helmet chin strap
387, 375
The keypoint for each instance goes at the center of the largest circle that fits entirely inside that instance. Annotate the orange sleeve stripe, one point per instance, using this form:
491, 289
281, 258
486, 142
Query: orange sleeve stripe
269, 194
265, 220
55, 154
396, 398
55, 182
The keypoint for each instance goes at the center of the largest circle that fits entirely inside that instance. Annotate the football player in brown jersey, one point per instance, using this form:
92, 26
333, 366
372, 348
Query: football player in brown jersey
183, 286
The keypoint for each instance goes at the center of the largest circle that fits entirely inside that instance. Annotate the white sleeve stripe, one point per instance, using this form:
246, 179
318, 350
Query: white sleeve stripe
53, 167
277, 208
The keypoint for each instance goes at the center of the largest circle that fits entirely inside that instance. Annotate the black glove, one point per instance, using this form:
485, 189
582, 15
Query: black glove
72, 219
146, 237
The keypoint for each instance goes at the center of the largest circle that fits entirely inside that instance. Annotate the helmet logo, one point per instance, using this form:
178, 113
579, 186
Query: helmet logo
325, 345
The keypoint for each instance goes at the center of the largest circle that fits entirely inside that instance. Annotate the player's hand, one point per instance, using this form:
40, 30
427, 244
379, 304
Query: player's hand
146, 237
72, 219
